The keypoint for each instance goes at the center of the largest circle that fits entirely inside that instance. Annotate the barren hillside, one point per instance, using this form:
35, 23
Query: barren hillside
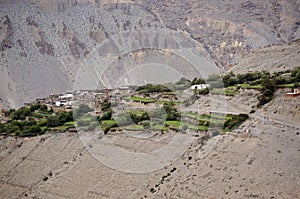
44, 43
262, 163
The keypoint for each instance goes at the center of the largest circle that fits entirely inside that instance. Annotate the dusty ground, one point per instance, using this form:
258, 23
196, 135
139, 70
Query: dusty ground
263, 163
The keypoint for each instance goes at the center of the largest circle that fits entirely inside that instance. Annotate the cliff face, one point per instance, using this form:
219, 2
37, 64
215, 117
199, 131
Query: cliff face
44, 43
52, 5
64, 5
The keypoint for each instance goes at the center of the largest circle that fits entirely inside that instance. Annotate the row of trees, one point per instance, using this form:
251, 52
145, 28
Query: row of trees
151, 88
24, 112
36, 119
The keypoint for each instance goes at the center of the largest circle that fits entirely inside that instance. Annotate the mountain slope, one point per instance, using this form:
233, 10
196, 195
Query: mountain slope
43, 44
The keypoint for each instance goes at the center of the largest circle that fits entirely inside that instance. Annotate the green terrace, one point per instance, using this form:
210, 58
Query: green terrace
39, 119
198, 122
147, 100
140, 99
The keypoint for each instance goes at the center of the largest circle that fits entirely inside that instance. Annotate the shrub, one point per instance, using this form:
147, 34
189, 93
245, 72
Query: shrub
31, 131
11, 128
235, 121
53, 121
21, 113
138, 117
146, 124
203, 91
9, 112
44, 108
107, 115
34, 107
105, 105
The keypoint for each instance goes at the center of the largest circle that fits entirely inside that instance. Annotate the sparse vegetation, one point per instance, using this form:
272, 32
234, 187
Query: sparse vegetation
150, 88
234, 121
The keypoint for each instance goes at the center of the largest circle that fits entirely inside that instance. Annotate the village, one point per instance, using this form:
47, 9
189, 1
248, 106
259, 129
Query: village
124, 97
184, 104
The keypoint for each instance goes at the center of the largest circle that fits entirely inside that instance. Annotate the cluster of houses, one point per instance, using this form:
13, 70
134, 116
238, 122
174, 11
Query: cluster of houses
70, 100
94, 98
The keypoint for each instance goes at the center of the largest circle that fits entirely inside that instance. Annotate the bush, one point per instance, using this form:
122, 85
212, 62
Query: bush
21, 113
107, 115
64, 116
43, 108
105, 105
146, 124
30, 131
11, 128
243, 117
53, 121
42, 122
203, 91
9, 112
138, 117
36, 130
252, 111
235, 121
34, 107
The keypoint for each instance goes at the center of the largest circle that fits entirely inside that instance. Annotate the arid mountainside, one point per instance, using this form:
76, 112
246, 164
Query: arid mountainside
262, 163
44, 43
272, 59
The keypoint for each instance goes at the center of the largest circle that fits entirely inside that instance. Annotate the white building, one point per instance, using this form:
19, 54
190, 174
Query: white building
61, 103
199, 86
66, 96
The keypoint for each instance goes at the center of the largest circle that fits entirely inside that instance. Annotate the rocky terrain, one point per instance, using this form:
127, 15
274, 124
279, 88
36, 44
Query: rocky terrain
45, 43
272, 59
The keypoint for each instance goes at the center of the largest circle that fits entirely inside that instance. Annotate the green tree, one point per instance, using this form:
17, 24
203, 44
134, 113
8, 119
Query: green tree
44, 108
53, 121
171, 110
268, 88
268, 84
107, 115
105, 105
34, 107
